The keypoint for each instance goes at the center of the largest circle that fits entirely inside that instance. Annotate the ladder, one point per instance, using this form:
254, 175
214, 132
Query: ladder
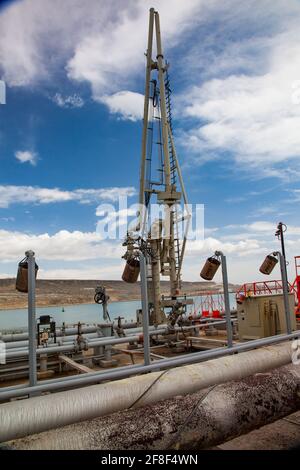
173, 170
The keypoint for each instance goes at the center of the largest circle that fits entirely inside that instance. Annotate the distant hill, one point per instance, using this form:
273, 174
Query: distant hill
64, 292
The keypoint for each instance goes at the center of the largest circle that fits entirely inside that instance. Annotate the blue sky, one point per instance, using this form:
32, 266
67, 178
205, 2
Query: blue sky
70, 131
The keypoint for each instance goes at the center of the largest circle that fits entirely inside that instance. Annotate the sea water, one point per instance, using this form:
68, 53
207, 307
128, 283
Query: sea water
85, 313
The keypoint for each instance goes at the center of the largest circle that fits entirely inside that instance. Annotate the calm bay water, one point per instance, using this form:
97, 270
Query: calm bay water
85, 313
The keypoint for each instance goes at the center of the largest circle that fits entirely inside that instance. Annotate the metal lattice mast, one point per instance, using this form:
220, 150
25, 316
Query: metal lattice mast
165, 250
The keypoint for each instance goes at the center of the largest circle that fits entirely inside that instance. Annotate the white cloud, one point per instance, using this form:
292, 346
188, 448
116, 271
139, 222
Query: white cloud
72, 101
10, 194
84, 272
63, 245
246, 102
210, 245
127, 104
102, 44
264, 227
108, 60
72, 249
26, 156
38, 37
251, 113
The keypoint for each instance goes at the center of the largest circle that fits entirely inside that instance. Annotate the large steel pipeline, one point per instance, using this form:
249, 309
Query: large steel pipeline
196, 421
89, 378
37, 414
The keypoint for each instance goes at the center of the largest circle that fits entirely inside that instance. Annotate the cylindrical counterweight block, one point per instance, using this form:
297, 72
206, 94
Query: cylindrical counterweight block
268, 265
210, 268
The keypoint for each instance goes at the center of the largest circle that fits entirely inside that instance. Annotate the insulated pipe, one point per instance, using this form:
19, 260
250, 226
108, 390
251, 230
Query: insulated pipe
89, 344
19, 418
53, 348
21, 345
60, 343
73, 346
192, 422
63, 339
12, 337
127, 371
8, 338
73, 332
86, 331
